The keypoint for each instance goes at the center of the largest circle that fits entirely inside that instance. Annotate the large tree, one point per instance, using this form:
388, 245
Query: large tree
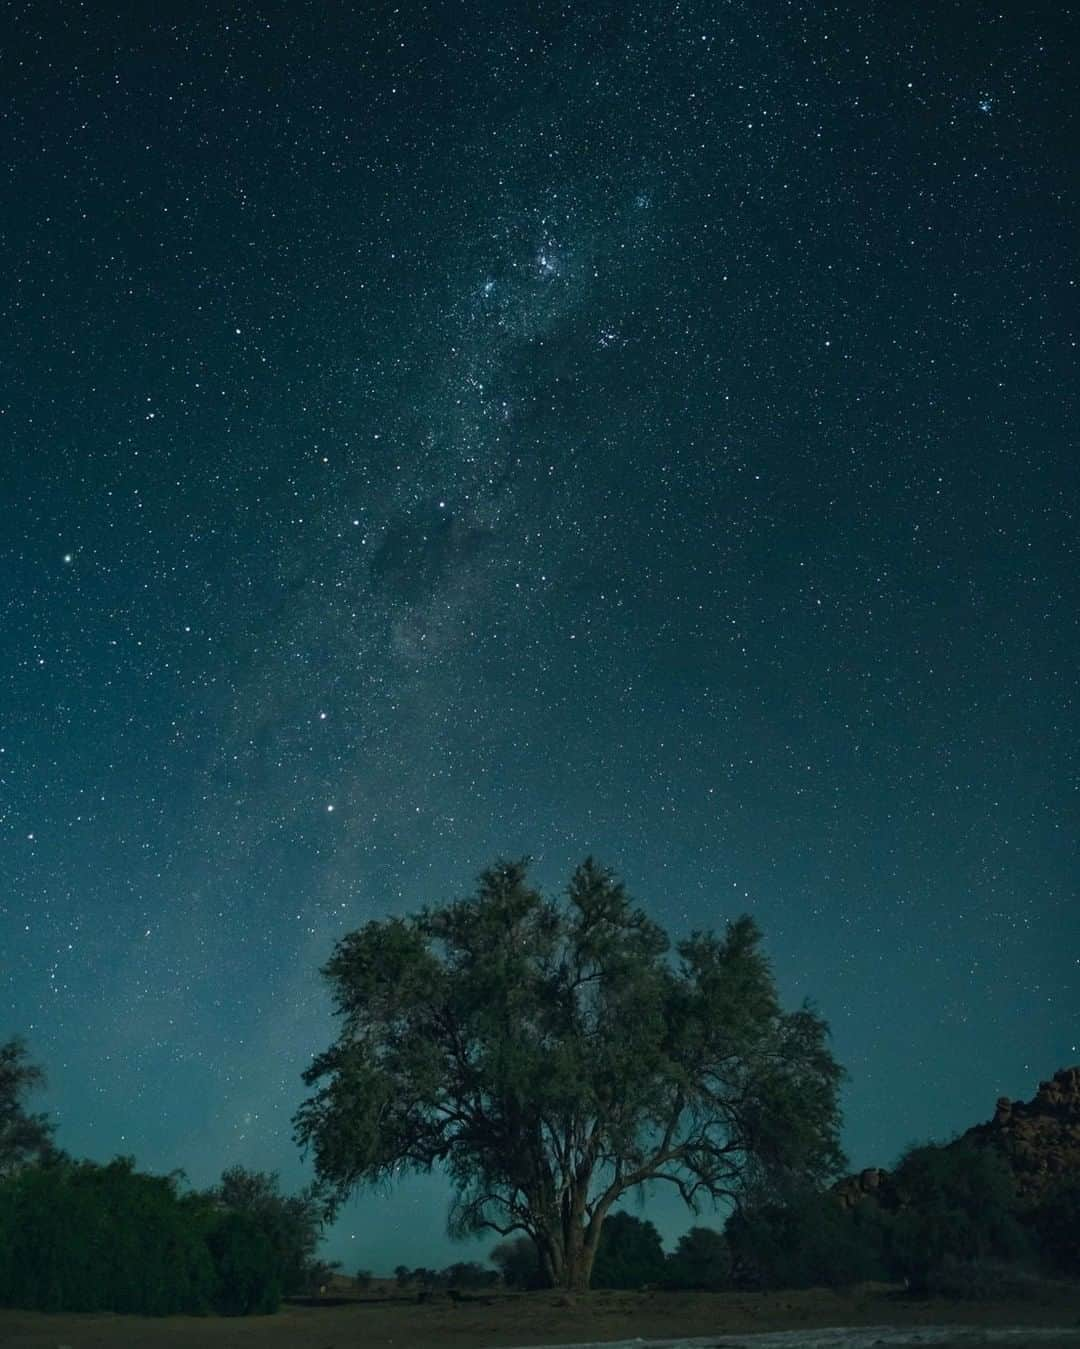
24, 1137
554, 1059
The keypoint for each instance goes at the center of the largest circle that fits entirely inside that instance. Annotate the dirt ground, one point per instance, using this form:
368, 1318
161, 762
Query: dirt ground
541, 1319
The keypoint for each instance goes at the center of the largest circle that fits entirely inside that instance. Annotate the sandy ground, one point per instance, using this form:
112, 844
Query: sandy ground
553, 1319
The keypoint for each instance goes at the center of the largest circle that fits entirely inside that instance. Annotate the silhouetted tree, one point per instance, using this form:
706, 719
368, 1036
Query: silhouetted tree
291, 1223
956, 1202
466, 1274
554, 1062
630, 1253
701, 1260
806, 1239
518, 1262
246, 1267
24, 1137
363, 1278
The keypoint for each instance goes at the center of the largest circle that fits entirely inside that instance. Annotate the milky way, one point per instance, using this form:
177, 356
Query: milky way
433, 436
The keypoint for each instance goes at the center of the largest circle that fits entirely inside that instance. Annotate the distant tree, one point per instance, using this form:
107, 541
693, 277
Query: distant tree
958, 1203
554, 1061
701, 1260
402, 1273
291, 1223
467, 1274
363, 1279
24, 1137
518, 1262
630, 1253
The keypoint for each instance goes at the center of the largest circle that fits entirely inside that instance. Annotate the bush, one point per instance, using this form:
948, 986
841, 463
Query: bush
1056, 1226
628, 1254
809, 1241
76, 1236
519, 1263
957, 1204
701, 1260
245, 1267
291, 1223
466, 1275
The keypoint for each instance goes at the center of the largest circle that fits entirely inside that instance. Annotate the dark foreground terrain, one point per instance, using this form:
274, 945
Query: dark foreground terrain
554, 1318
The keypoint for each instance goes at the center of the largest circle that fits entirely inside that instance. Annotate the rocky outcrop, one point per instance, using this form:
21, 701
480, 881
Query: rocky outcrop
1040, 1139
872, 1183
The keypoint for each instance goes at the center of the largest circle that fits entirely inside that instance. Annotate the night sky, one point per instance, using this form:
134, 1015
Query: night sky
453, 431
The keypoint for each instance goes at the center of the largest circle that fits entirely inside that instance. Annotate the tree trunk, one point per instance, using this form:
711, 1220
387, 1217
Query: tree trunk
578, 1271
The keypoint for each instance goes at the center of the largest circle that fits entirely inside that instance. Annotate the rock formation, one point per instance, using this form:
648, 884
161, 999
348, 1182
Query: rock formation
1040, 1139
872, 1183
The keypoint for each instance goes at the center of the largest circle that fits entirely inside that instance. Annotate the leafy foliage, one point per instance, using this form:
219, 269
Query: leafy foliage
76, 1236
291, 1223
246, 1267
24, 1137
805, 1241
958, 1203
701, 1260
464, 1275
553, 1060
518, 1262
630, 1253
468, 1274
1056, 1226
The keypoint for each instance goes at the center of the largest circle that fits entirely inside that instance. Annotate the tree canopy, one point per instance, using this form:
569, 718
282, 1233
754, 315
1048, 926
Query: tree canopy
552, 1058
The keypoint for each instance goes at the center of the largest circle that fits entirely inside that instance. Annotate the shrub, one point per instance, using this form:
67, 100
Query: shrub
702, 1260
957, 1204
245, 1267
519, 1263
468, 1274
628, 1254
76, 1236
1056, 1225
291, 1223
808, 1241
